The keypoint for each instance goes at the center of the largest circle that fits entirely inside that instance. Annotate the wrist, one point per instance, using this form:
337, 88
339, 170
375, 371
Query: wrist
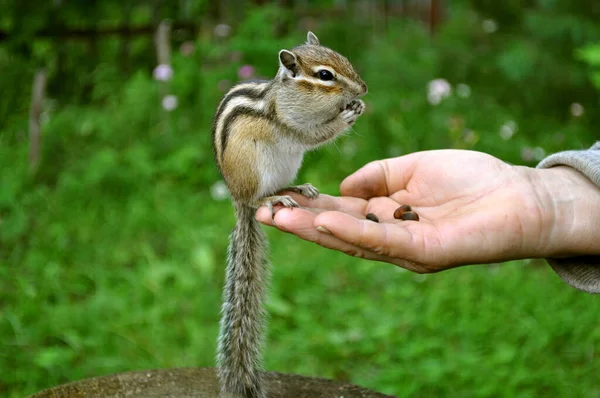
569, 209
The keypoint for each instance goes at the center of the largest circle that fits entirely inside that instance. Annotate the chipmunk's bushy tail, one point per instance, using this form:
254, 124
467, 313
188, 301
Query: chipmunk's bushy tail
240, 345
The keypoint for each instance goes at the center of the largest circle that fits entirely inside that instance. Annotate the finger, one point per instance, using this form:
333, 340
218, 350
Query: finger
264, 215
392, 240
300, 222
380, 178
327, 202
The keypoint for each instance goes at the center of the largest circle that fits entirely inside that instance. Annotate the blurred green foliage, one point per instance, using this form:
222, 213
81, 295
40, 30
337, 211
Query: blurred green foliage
591, 55
111, 255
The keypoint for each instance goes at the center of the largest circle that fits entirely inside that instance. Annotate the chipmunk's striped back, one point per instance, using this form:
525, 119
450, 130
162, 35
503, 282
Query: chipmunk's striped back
244, 98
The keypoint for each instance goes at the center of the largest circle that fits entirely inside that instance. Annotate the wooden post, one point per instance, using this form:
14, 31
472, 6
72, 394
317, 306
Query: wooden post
163, 54
435, 15
163, 43
35, 113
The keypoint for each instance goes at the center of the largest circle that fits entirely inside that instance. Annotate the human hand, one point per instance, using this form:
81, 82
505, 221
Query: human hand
473, 208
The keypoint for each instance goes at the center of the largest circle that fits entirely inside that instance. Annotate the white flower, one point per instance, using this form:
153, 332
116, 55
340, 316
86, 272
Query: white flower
539, 153
163, 73
463, 90
508, 129
527, 154
222, 30
470, 137
219, 190
187, 48
437, 90
489, 26
170, 102
246, 72
577, 109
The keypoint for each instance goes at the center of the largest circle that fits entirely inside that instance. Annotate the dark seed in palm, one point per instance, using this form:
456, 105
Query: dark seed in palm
410, 215
372, 217
401, 210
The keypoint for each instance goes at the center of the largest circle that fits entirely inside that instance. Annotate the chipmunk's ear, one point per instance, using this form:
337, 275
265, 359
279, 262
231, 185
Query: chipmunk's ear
287, 59
312, 39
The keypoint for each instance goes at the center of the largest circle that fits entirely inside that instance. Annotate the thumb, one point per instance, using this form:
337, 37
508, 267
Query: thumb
382, 177
368, 182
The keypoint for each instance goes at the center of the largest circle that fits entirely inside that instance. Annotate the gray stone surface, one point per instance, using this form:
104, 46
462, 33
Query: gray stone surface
197, 382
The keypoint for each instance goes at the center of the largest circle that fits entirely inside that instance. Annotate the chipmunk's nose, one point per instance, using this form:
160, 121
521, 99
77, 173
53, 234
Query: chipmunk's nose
360, 88
364, 88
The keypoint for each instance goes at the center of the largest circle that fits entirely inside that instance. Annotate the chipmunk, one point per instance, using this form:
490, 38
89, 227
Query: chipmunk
260, 133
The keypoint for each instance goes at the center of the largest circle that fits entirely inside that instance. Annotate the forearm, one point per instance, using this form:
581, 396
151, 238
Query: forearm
579, 271
570, 212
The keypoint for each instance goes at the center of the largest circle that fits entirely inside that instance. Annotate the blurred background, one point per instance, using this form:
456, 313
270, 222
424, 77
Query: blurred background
114, 220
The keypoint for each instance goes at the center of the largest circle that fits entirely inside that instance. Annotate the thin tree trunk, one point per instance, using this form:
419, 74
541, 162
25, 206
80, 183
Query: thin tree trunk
435, 15
35, 113
163, 54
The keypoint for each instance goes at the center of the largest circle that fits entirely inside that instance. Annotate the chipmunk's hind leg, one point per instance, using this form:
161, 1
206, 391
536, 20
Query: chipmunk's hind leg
307, 190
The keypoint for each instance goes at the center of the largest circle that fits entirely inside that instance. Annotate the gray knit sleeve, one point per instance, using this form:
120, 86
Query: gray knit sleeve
582, 272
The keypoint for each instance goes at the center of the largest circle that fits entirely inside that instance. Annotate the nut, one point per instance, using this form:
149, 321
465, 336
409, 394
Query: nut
372, 217
410, 215
401, 210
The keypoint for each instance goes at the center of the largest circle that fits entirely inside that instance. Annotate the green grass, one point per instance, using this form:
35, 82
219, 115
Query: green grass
135, 284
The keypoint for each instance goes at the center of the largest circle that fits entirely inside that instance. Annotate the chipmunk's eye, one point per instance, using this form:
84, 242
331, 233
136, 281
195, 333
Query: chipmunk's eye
324, 74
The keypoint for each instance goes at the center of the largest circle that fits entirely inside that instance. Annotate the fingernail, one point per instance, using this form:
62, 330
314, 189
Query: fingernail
323, 229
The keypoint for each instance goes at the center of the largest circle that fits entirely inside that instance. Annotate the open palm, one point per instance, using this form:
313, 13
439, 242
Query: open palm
473, 208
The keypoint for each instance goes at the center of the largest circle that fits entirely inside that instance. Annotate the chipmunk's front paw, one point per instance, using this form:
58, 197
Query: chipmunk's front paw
353, 110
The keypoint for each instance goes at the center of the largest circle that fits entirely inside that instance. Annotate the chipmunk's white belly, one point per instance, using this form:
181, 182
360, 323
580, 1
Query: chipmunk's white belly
278, 166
